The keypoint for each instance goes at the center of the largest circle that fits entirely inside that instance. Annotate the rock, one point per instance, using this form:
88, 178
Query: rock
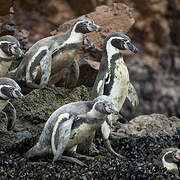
115, 17
39, 104
33, 112
41, 17
88, 72
153, 125
4, 7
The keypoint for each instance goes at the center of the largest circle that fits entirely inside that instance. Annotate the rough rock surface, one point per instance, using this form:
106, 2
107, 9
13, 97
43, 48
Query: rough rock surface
141, 153
34, 111
115, 17
153, 125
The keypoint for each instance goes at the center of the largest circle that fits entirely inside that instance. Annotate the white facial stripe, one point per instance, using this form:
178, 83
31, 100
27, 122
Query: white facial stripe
2, 95
169, 166
65, 115
99, 86
111, 50
74, 36
32, 60
4, 55
5, 42
93, 113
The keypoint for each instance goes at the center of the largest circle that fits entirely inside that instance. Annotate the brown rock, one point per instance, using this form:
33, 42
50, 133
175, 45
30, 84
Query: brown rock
151, 125
115, 17
4, 7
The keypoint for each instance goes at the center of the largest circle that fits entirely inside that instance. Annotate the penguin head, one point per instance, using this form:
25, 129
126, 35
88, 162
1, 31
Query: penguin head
85, 25
119, 41
176, 155
104, 105
10, 89
171, 155
11, 46
7, 92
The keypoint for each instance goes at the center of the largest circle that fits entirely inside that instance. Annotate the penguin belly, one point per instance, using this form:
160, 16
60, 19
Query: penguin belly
3, 103
119, 88
81, 134
59, 63
4, 66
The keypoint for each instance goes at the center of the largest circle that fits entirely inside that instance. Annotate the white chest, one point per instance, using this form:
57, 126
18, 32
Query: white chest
120, 86
81, 134
169, 166
3, 103
4, 66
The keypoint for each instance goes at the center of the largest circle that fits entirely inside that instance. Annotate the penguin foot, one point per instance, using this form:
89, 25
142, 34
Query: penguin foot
72, 160
111, 150
80, 156
118, 135
54, 89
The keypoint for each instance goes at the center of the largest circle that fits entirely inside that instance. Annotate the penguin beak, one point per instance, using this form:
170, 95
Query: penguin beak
18, 95
111, 109
132, 48
177, 155
16, 51
94, 27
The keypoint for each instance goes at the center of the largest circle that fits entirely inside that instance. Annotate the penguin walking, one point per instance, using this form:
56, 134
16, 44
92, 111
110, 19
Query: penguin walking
9, 51
169, 158
9, 89
51, 60
70, 126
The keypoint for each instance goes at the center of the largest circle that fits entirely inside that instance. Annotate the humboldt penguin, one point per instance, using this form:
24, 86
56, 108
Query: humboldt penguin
9, 51
9, 89
169, 158
113, 77
51, 60
71, 125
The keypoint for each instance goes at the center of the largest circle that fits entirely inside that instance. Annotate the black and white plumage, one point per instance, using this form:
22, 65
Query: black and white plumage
113, 76
71, 125
169, 158
52, 60
9, 50
9, 89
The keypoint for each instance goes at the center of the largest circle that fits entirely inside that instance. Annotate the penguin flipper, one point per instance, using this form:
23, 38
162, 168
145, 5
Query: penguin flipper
64, 135
45, 64
132, 95
10, 112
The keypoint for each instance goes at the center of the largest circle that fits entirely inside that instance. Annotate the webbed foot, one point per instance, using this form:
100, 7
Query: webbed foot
54, 89
72, 160
80, 156
111, 150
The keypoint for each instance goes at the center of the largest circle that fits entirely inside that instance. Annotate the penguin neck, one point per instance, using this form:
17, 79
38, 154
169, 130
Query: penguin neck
113, 54
74, 37
93, 114
168, 162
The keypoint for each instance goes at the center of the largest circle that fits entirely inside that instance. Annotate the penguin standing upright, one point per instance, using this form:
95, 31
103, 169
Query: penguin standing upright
169, 158
9, 89
9, 51
71, 125
113, 77
52, 60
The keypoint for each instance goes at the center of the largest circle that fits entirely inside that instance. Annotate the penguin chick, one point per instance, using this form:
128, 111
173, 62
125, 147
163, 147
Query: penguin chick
9, 51
71, 125
169, 158
45, 61
9, 89
113, 77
